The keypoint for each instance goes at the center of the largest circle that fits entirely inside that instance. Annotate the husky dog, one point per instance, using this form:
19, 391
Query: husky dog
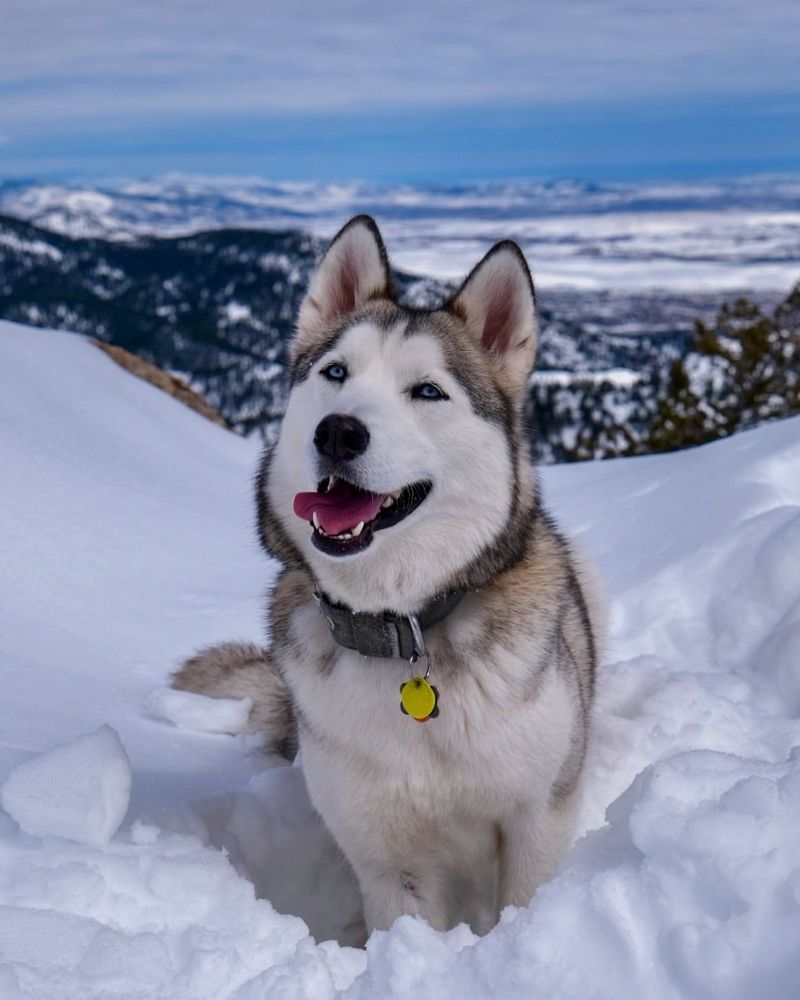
433, 641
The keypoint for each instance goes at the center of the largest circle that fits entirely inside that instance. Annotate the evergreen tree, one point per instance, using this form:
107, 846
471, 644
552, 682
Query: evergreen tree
741, 372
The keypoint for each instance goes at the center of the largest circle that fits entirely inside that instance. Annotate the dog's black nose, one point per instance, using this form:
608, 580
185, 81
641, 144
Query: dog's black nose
340, 437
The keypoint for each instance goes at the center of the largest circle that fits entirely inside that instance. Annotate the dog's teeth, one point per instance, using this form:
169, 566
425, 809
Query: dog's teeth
388, 501
315, 520
358, 529
396, 494
331, 481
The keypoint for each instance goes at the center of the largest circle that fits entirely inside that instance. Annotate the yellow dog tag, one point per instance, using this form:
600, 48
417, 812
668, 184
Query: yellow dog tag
419, 699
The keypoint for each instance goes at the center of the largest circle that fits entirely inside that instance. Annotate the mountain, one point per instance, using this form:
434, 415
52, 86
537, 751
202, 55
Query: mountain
737, 236
218, 308
178, 204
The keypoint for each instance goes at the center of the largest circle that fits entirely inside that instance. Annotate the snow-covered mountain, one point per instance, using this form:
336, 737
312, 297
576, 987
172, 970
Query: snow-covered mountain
126, 539
202, 276
218, 307
689, 238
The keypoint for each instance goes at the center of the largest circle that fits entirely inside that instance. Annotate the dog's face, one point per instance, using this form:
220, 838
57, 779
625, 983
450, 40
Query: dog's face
399, 456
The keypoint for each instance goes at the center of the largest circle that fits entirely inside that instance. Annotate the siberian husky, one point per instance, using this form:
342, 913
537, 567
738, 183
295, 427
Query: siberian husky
434, 641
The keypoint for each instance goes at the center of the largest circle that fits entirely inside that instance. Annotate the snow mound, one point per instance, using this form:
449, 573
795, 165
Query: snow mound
188, 710
151, 916
79, 791
692, 890
126, 542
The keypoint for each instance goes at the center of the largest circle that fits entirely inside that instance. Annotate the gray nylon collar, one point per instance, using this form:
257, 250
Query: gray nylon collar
385, 634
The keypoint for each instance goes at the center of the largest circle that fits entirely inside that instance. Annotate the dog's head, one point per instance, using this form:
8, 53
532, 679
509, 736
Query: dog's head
400, 466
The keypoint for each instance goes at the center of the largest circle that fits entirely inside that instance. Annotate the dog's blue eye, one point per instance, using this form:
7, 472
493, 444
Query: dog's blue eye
335, 372
427, 390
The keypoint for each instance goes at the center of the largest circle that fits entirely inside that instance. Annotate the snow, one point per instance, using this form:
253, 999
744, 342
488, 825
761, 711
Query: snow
619, 378
80, 790
127, 542
37, 247
236, 312
204, 715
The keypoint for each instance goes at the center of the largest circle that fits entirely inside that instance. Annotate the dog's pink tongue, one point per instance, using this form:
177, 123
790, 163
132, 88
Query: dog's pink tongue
340, 508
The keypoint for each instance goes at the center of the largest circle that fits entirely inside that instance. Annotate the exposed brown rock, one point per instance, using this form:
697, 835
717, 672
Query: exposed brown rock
171, 384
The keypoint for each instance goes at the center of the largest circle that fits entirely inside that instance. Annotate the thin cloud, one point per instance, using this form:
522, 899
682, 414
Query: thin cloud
108, 58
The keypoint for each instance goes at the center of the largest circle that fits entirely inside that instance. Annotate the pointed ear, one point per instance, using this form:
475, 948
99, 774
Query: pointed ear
498, 306
354, 270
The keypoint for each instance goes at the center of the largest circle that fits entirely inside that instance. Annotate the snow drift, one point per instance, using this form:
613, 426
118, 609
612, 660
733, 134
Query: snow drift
127, 541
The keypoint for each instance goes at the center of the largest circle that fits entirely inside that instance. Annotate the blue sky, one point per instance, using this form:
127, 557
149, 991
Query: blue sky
437, 90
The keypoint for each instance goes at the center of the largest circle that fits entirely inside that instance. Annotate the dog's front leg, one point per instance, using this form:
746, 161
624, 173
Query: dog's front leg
531, 843
391, 892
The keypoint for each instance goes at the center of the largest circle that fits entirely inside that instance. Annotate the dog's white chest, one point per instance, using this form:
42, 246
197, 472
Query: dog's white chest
488, 745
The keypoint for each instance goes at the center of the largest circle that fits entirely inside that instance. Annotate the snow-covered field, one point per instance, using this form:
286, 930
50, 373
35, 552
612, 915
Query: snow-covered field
126, 541
711, 236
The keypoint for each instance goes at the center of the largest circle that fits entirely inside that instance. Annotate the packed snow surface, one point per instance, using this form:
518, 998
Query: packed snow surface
127, 541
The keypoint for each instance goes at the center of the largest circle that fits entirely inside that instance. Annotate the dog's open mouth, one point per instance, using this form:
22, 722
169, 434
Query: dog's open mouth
345, 517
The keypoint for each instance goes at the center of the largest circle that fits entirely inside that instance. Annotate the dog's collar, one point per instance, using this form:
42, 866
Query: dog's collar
385, 634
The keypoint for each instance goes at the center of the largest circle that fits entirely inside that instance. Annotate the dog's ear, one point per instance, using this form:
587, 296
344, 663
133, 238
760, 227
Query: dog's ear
498, 306
354, 270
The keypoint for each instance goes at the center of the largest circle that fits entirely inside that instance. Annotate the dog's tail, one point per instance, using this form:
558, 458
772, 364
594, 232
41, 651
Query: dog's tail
244, 670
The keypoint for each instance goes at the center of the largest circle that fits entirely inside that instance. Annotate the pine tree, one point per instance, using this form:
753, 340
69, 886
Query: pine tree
741, 372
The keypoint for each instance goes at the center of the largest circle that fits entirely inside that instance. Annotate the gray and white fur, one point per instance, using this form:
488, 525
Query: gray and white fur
470, 812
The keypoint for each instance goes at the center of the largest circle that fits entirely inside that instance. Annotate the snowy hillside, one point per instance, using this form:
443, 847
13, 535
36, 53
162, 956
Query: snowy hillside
127, 541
